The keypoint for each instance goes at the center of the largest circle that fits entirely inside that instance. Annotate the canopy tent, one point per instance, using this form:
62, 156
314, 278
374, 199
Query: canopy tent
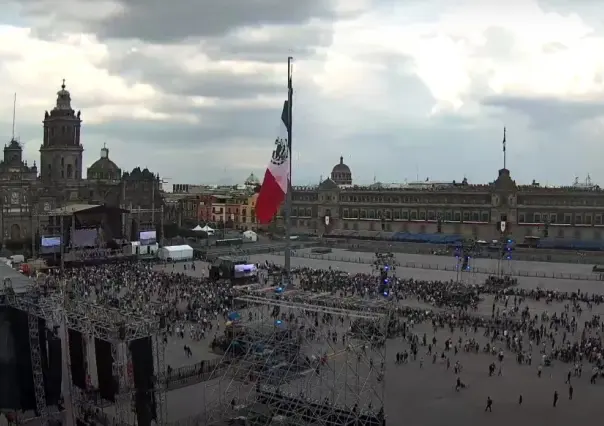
197, 228
207, 229
174, 253
250, 236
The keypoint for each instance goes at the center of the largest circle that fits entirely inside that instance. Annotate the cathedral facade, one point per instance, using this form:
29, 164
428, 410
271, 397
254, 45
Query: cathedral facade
29, 193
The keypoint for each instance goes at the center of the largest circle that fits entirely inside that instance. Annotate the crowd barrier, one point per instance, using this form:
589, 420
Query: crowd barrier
453, 268
193, 374
250, 249
535, 255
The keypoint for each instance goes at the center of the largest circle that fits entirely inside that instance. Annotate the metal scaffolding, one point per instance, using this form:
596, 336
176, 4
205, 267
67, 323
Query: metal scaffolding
109, 324
306, 363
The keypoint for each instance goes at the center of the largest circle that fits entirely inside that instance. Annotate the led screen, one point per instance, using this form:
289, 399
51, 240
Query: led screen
147, 237
244, 271
50, 241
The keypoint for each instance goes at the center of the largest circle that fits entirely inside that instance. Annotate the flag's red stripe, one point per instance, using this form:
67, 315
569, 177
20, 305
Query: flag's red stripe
269, 200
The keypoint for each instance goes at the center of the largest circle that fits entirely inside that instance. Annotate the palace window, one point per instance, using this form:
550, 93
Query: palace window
598, 219
568, 218
422, 215
388, 214
379, 214
578, 219
448, 215
552, 218
363, 214
485, 217
397, 214
588, 219
466, 216
457, 216
355, 213
431, 215
309, 212
371, 214
405, 214
537, 218
475, 217
294, 212
345, 214
413, 214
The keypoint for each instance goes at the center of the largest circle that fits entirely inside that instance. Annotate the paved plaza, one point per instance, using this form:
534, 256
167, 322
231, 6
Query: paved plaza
425, 395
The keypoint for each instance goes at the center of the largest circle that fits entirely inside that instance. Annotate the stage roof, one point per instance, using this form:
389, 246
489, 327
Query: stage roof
19, 281
72, 209
84, 208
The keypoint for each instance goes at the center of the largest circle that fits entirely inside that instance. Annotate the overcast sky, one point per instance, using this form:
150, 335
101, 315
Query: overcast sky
192, 89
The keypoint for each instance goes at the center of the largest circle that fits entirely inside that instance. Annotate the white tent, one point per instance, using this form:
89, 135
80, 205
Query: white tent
250, 236
175, 253
207, 229
197, 228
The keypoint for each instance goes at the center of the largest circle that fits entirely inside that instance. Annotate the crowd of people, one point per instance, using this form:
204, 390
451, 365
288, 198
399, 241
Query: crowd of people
566, 329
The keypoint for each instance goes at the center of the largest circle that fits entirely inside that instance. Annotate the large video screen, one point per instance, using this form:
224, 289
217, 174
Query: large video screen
241, 271
49, 245
50, 241
147, 237
81, 238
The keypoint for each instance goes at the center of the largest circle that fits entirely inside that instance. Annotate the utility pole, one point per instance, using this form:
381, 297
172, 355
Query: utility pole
62, 234
33, 232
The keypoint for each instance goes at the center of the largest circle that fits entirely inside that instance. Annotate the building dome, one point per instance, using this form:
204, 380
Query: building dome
252, 180
341, 173
104, 168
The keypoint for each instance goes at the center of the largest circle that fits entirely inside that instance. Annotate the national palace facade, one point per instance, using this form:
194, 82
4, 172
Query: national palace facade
336, 205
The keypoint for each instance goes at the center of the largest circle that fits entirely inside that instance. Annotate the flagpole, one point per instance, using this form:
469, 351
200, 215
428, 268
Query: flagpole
288, 197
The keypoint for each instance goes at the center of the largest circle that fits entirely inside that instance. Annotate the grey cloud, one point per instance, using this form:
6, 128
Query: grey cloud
161, 21
138, 67
300, 42
547, 113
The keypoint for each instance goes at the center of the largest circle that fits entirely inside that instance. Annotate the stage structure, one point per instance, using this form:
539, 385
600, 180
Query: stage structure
300, 363
105, 324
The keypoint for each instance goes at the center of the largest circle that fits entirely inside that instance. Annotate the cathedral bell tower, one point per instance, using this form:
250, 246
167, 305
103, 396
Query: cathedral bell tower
61, 150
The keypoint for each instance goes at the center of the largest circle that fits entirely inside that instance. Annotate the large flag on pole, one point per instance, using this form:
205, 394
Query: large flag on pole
276, 178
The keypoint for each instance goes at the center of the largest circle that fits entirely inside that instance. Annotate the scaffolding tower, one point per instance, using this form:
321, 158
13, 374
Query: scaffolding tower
93, 320
299, 363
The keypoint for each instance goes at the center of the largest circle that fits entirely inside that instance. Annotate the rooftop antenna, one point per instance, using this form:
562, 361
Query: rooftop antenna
416, 173
14, 114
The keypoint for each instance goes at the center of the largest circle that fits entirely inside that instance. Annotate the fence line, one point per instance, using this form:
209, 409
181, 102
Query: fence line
453, 268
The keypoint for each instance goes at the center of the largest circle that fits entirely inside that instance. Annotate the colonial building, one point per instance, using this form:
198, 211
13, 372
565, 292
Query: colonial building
336, 206
28, 193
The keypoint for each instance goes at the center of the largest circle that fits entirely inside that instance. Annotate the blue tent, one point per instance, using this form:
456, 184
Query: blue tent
234, 316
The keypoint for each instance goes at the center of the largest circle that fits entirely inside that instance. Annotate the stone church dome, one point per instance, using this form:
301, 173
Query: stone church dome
104, 168
252, 180
341, 173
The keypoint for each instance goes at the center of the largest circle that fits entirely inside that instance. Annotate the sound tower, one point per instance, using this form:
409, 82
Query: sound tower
55, 370
76, 355
25, 385
104, 366
134, 236
143, 372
